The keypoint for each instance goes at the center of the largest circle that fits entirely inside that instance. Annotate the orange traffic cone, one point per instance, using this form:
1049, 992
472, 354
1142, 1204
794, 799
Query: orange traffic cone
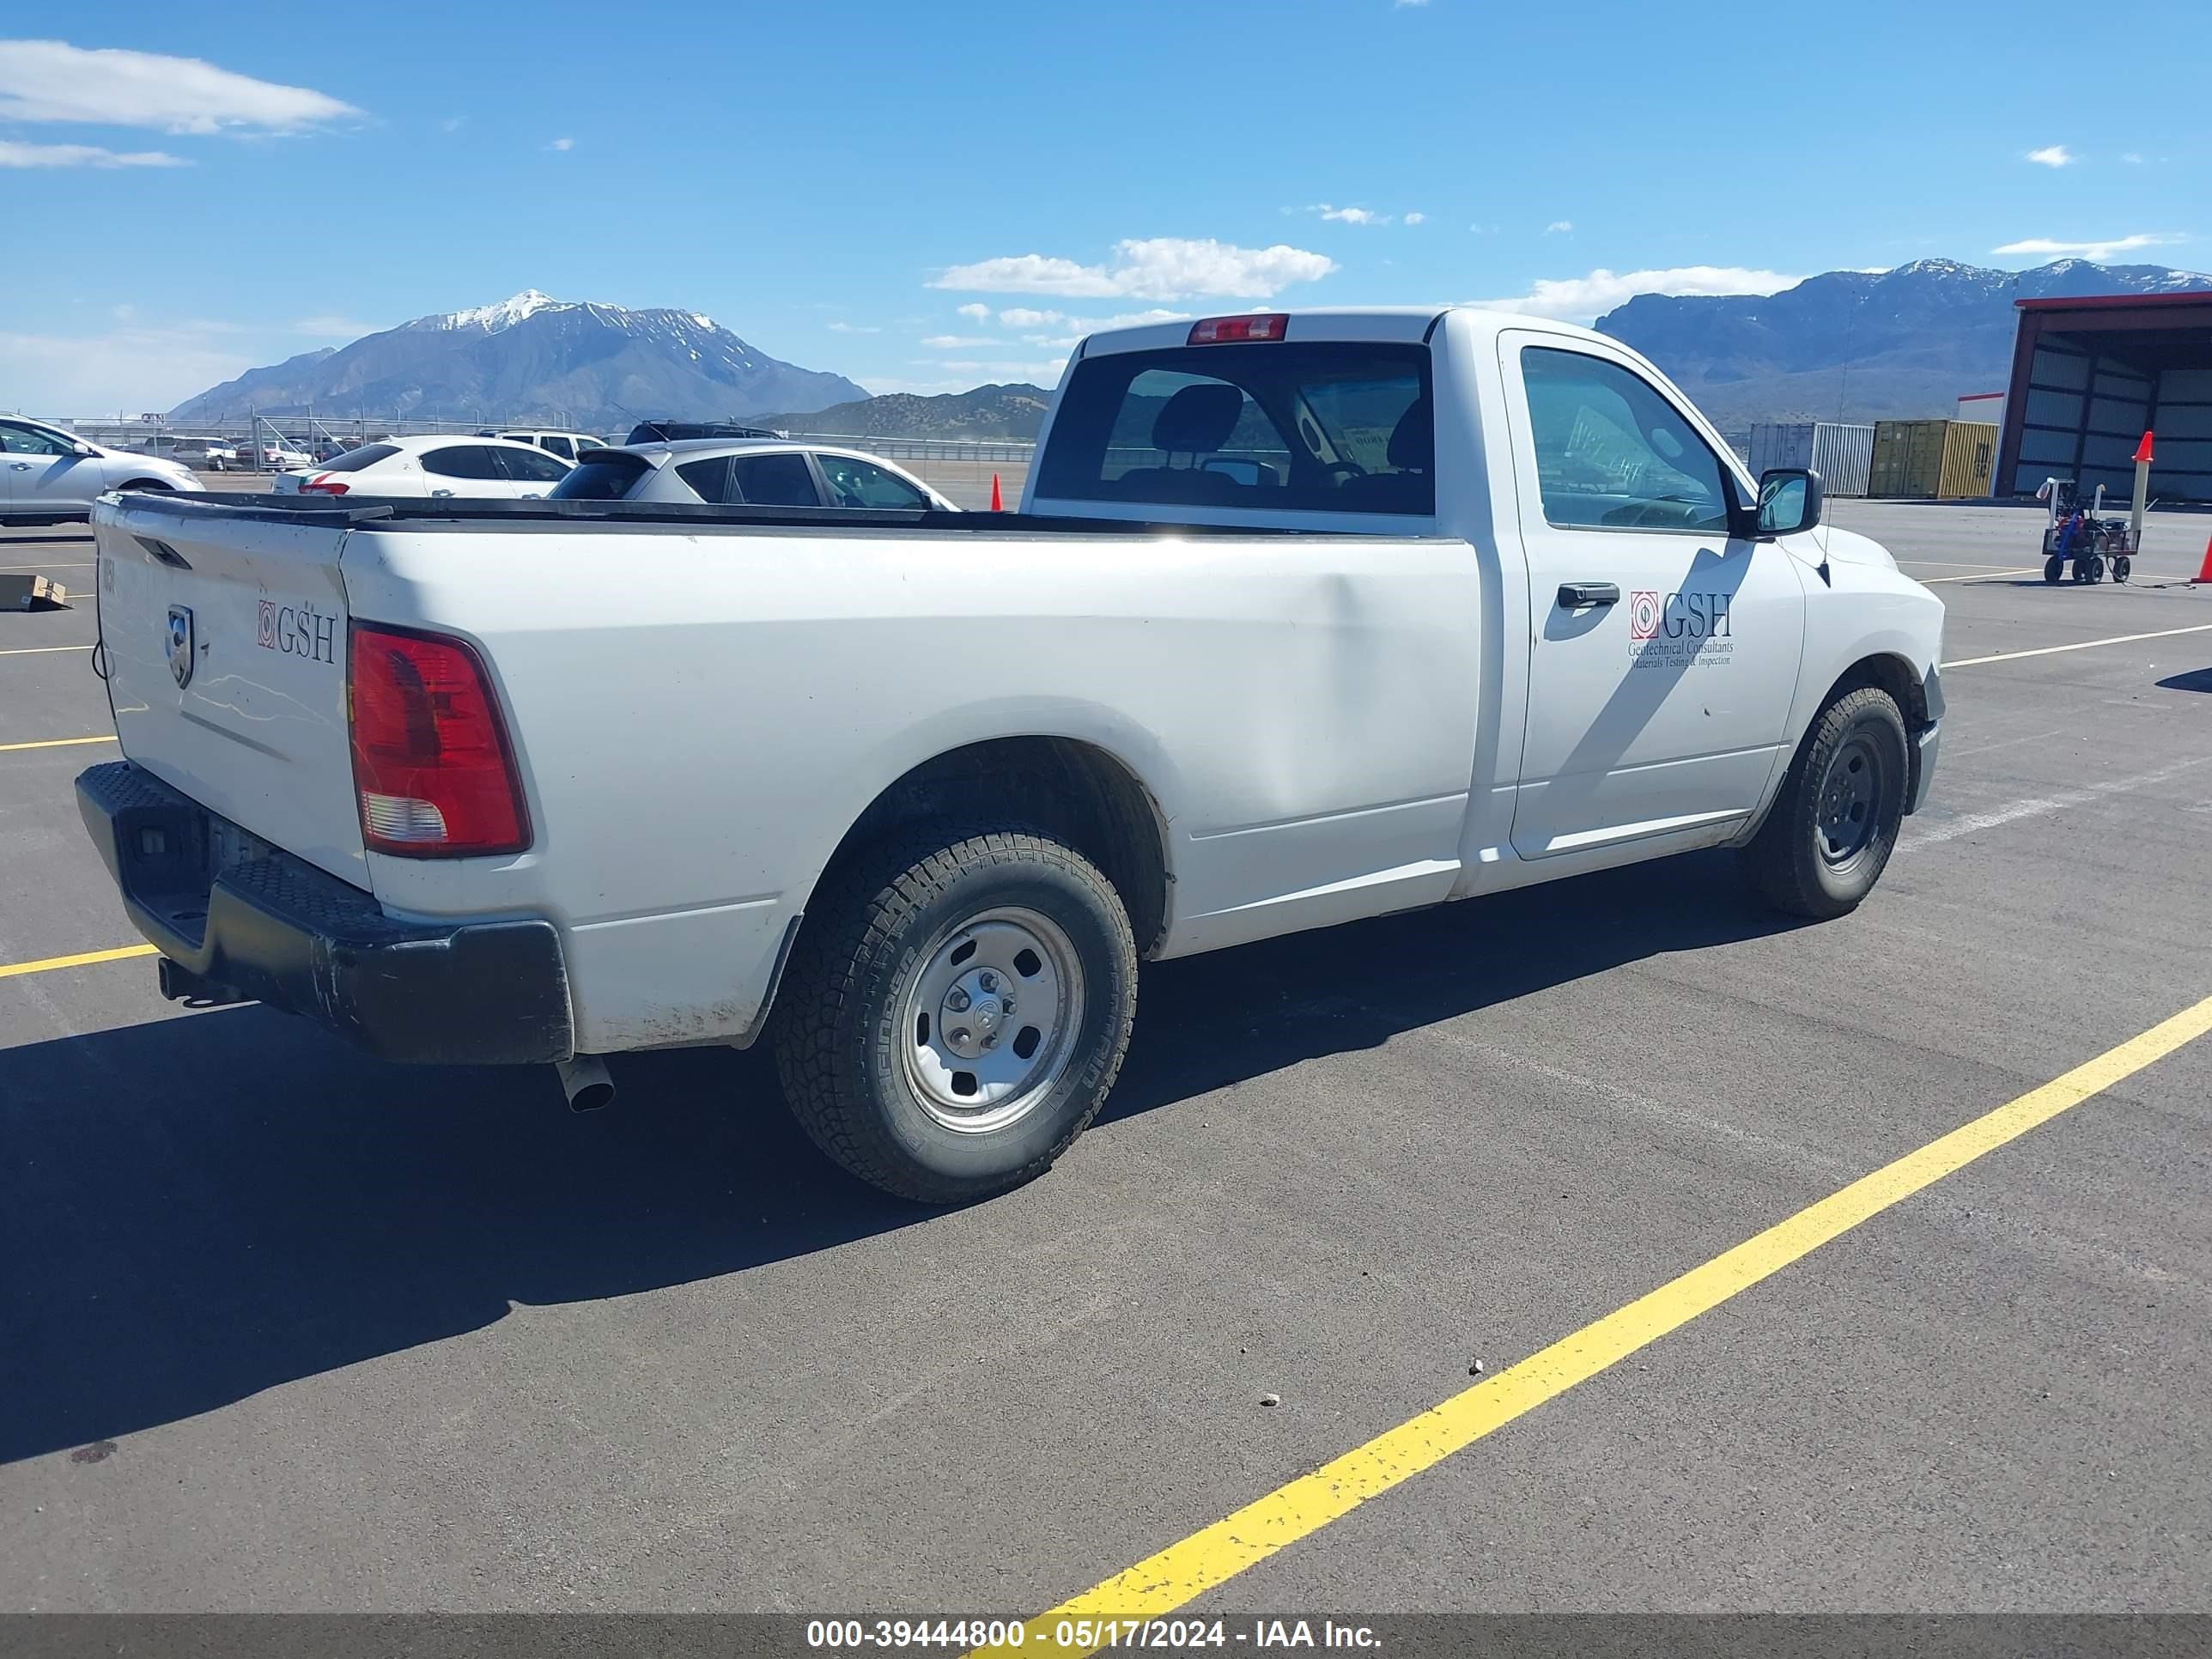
998, 506
2204, 572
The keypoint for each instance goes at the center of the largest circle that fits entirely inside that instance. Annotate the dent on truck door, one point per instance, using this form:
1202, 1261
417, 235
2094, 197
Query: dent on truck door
1664, 652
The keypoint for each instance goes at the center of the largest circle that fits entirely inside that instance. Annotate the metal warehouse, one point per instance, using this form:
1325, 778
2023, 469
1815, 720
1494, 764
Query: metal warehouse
2090, 376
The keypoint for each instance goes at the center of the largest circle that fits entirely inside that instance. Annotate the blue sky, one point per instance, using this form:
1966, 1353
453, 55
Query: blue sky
925, 197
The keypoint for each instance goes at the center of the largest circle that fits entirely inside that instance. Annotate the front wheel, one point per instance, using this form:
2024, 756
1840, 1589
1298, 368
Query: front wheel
956, 1010
2053, 569
1834, 824
2121, 565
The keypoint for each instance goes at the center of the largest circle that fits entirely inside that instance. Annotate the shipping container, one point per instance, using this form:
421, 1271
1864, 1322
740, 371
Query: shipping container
1840, 454
1970, 451
1908, 459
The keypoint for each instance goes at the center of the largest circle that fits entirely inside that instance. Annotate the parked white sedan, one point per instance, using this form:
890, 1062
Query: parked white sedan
495, 467
48, 474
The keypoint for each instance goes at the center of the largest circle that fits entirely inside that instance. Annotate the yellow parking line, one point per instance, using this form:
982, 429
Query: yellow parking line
52, 564
2079, 645
40, 650
53, 743
1162, 1582
1980, 576
11, 970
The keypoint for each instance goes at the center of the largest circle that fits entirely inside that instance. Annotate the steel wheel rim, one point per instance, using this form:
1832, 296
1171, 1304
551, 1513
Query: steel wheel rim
1850, 801
974, 1065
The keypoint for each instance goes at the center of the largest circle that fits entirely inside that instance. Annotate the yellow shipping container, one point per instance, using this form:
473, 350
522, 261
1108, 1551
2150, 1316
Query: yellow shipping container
1969, 449
1908, 457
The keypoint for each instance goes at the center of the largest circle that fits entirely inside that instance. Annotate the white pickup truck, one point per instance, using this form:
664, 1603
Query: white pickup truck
1304, 618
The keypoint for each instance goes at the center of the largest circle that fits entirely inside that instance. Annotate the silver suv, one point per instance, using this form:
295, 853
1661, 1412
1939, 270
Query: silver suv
47, 474
757, 473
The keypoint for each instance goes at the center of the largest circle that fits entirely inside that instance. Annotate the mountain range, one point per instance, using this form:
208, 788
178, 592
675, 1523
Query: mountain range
1845, 345
1858, 345
596, 368
989, 411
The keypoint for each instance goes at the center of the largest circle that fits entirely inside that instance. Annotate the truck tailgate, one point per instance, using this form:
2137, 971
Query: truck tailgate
224, 637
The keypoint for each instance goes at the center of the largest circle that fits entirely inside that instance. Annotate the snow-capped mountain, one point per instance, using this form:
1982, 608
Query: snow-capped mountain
533, 358
1860, 345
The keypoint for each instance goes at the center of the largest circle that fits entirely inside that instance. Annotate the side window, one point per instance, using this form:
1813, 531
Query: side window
561, 446
462, 461
1612, 453
28, 441
781, 479
528, 466
863, 484
708, 479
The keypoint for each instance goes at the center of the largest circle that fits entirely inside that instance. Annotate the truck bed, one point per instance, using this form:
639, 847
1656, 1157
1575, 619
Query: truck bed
495, 514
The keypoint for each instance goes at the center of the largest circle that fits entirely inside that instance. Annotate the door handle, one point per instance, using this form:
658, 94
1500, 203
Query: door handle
441, 492
1574, 596
20, 466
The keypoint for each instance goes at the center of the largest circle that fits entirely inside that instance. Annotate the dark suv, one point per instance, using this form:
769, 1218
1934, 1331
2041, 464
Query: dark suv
669, 431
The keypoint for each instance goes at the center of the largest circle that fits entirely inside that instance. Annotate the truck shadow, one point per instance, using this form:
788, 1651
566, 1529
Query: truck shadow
201, 1208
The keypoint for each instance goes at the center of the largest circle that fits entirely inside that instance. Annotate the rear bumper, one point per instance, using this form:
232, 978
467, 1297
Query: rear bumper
241, 921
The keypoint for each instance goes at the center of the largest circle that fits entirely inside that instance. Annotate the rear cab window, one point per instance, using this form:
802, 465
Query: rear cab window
1320, 426
781, 479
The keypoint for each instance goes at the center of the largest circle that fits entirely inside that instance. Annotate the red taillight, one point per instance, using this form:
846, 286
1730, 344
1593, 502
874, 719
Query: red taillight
1252, 325
323, 484
431, 763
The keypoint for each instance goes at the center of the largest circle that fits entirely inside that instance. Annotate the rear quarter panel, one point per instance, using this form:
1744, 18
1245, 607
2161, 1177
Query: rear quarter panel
700, 717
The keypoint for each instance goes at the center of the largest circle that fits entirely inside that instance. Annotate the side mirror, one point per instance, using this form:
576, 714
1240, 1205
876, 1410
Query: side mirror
83, 451
1789, 501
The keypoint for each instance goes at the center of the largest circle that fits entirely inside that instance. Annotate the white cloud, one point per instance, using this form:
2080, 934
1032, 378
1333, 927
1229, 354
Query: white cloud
452, 123
1046, 373
1152, 268
563, 145
1483, 230
2052, 155
1401, 5
2132, 159
127, 370
1558, 227
83, 155
853, 328
1018, 316
1349, 216
978, 312
1582, 299
1416, 218
2090, 250
957, 342
51, 81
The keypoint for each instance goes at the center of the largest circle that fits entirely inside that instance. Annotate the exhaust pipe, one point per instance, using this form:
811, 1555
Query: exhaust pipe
585, 1081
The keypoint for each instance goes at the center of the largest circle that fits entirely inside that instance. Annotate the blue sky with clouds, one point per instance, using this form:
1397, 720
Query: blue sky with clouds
927, 197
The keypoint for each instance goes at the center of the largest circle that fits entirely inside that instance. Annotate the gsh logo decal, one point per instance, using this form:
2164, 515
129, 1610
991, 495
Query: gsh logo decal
299, 630
1642, 614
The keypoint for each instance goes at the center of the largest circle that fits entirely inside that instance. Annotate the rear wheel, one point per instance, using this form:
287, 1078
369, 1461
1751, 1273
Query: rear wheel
956, 1010
1836, 821
2053, 569
2122, 564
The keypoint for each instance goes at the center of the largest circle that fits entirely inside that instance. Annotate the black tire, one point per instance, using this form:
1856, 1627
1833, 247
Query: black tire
153, 485
2053, 569
840, 1038
2122, 564
2096, 562
1791, 862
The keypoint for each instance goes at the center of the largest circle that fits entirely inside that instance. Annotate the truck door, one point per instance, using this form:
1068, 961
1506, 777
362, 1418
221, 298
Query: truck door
1664, 649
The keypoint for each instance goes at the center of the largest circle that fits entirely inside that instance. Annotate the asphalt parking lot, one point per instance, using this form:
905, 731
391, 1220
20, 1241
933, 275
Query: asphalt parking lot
281, 1328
